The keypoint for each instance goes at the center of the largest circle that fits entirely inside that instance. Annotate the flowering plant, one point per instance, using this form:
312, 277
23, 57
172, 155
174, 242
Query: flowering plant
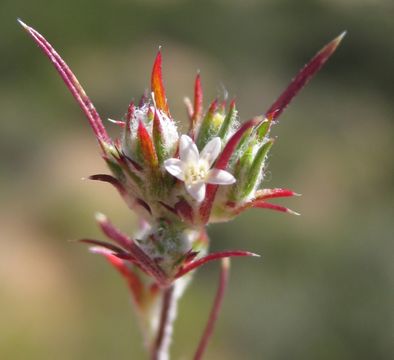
177, 184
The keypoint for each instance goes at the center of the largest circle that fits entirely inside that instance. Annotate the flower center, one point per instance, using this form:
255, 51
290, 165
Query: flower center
195, 173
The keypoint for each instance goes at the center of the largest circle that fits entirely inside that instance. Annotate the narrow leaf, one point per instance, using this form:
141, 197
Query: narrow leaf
265, 194
204, 131
119, 123
147, 147
168, 207
198, 99
115, 249
108, 230
144, 204
158, 87
263, 130
301, 79
265, 205
184, 210
130, 111
111, 180
228, 121
256, 168
158, 138
189, 109
221, 163
214, 256
261, 204
72, 83
133, 281
143, 260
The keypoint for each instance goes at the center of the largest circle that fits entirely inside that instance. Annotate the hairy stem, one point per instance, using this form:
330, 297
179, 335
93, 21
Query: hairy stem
160, 349
223, 281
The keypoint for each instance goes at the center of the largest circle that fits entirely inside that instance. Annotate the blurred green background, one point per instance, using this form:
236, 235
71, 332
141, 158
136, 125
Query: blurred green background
324, 287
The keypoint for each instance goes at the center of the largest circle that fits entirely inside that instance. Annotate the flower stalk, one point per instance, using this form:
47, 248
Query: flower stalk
208, 331
161, 344
177, 184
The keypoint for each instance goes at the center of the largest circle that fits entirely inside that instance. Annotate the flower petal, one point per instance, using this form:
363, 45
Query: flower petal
174, 167
211, 150
220, 177
196, 190
188, 151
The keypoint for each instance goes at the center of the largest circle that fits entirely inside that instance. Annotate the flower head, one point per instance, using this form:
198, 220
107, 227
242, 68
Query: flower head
217, 150
194, 169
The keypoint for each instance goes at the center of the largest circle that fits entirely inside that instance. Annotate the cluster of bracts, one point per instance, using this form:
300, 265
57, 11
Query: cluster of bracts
176, 183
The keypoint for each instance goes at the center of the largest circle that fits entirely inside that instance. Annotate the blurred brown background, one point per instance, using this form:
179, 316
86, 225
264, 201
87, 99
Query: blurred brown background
324, 288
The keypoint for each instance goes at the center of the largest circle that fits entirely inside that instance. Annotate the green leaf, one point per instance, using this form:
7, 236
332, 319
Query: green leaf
256, 168
157, 134
263, 129
207, 126
228, 121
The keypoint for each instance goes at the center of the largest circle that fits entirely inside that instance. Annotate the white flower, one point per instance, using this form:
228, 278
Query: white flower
194, 169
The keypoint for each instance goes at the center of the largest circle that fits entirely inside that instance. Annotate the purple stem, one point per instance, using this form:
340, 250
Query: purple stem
223, 281
163, 338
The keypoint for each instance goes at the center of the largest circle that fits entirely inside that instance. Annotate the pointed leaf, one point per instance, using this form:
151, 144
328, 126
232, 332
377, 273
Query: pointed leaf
158, 138
189, 110
265, 194
115, 249
111, 180
143, 99
158, 87
256, 168
261, 204
306, 73
198, 99
72, 83
214, 256
168, 207
138, 255
265, 205
228, 121
221, 163
130, 111
146, 145
263, 130
204, 133
185, 211
127, 145
119, 123
145, 205
108, 229
133, 281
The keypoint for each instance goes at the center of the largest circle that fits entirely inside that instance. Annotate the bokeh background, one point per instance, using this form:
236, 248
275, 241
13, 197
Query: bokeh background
324, 287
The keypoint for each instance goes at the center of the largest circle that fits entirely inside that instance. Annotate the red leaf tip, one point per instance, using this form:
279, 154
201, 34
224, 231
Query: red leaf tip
157, 85
332, 45
72, 84
301, 79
